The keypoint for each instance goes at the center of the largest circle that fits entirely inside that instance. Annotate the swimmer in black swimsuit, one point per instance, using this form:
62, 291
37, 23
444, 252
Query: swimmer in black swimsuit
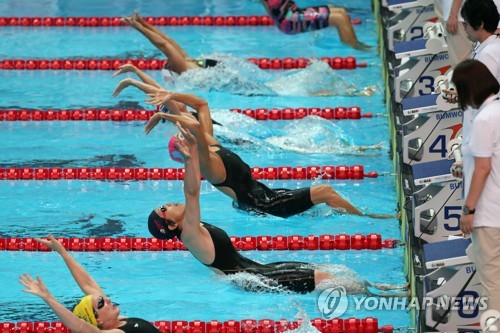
94, 310
291, 20
213, 247
178, 60
226, 171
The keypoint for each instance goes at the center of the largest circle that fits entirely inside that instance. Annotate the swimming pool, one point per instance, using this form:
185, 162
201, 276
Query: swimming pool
111, 209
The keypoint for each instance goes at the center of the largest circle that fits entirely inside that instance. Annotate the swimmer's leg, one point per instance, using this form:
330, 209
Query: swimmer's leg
341, 20
326, 194
161, 34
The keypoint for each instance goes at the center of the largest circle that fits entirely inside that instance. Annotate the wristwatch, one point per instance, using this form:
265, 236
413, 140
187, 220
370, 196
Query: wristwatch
468, 211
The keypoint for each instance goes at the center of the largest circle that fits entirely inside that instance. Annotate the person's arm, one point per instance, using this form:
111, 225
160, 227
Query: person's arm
201, 106
192, 180
452, 22
71, 321
129, 68
482, 169
148, 89
86, 283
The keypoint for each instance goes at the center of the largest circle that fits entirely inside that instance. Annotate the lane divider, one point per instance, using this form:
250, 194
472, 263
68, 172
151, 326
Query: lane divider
340, 172
372, 241
157, 64
338, 113
347, 325
115, 21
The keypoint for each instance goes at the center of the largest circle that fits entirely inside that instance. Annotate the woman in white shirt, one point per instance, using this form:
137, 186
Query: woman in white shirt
478, 88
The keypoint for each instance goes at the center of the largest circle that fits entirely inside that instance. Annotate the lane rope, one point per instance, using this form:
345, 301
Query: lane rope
348, 325
115, 21
331, 113
337, 63
328, 172
325, 242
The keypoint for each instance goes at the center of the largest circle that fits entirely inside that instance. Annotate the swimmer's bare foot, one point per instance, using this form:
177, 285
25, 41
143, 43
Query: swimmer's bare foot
363, 47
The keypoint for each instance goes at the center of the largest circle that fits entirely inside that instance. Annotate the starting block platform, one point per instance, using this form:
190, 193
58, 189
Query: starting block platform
453, 292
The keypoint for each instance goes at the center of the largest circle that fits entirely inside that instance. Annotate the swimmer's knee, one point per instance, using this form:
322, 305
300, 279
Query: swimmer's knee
339, 16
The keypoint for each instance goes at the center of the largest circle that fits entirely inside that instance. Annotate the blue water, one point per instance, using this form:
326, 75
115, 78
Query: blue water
173, 285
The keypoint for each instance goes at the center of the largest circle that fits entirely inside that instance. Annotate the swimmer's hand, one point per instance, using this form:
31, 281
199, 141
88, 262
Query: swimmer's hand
187, 144
153, 121
35, 287
122, 85
51, 243
450, 96
127, 68
188, 136
160, 97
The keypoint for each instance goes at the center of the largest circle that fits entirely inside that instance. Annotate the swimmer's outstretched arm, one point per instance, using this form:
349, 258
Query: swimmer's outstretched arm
125, 83
86, 283
129, 68
387, 287
71, 321
193, 101
194, 236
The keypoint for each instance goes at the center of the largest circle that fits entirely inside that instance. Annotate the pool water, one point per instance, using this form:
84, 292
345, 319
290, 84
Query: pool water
173, 285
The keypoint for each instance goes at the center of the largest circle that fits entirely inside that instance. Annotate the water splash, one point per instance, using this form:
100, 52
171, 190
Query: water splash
311, 135
239, 76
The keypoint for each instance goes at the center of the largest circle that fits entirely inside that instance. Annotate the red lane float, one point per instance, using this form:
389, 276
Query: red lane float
341, 242
337, 325
330, 172
338, 113
94, 21
156, 64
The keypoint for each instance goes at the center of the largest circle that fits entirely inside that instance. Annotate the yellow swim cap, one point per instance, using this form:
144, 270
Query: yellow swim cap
85, 310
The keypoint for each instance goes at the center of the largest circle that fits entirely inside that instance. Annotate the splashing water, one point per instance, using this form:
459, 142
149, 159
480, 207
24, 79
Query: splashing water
239, 76
310, 135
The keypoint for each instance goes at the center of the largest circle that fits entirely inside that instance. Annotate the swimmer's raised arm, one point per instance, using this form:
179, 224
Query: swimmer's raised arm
129, 68
131, 82
200, 105
86, 283
71, 321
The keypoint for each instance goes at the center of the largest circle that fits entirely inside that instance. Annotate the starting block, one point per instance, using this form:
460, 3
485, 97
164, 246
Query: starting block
436, 211
452, 292
425, 138
408, 24
395, 5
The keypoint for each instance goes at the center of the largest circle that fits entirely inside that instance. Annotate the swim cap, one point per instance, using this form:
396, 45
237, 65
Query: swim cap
158, 227
175, 154
85, 310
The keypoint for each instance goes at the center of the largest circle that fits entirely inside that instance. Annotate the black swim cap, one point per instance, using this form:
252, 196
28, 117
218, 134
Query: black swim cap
158, 227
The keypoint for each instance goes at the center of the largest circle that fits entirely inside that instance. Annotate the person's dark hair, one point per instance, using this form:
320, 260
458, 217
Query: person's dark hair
474, 83
158, 227
477, 12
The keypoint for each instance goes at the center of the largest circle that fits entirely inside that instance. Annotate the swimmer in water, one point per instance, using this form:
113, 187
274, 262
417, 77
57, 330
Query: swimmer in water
291, 20
212, 246
232, 176
178, 60
95, 312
